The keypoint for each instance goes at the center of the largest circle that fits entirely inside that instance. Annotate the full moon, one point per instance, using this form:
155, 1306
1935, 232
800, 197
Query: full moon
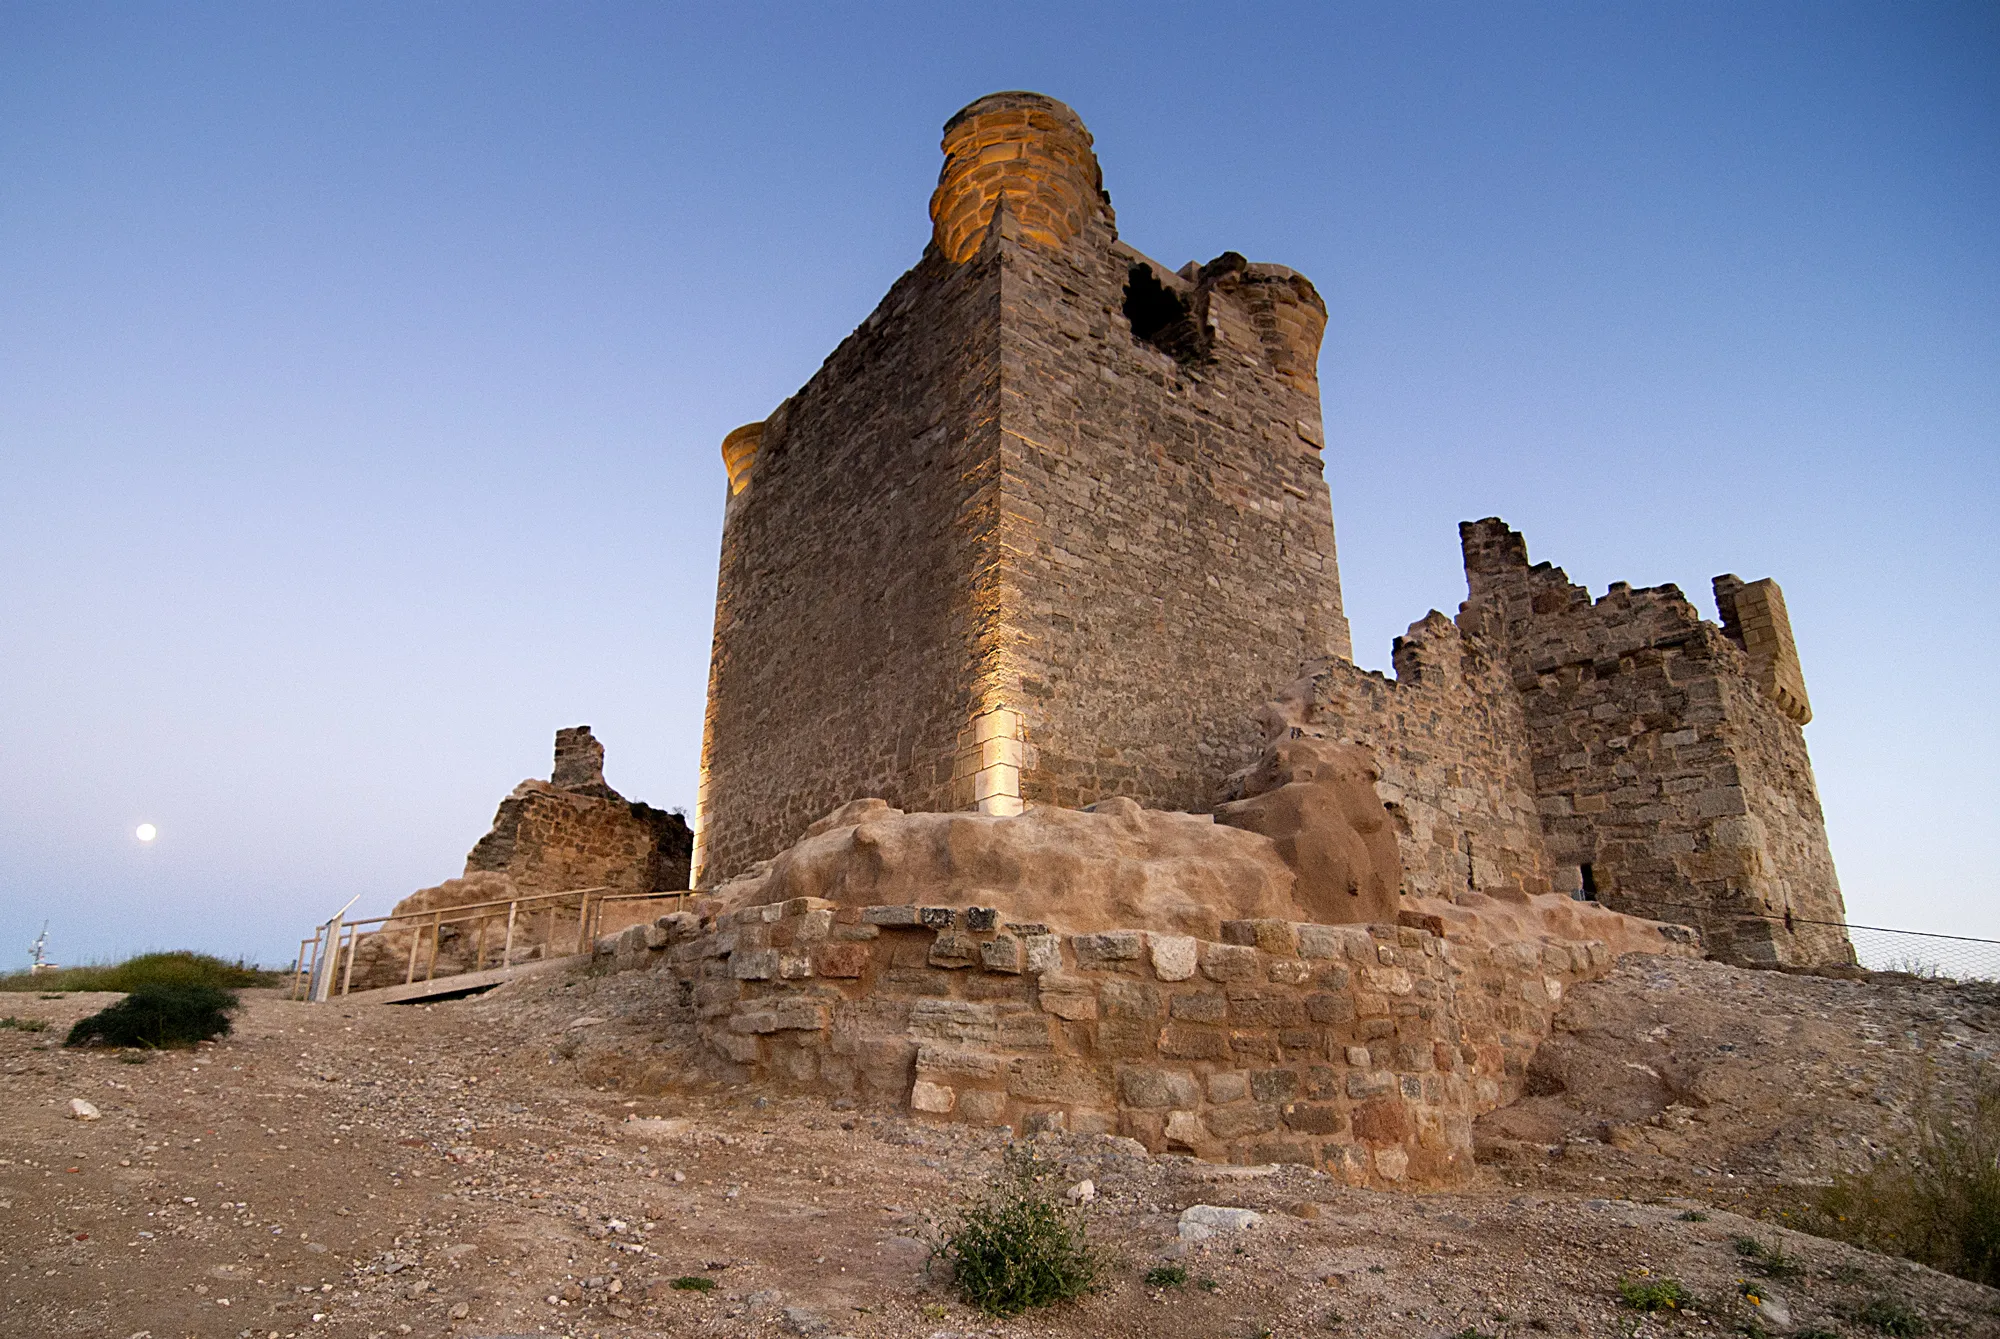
146, 832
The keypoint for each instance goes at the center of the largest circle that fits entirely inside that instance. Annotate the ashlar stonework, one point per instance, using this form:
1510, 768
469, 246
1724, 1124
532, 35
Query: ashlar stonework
1008, 548
1365, 1050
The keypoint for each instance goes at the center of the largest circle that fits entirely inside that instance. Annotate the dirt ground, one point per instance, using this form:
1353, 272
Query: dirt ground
452, 1169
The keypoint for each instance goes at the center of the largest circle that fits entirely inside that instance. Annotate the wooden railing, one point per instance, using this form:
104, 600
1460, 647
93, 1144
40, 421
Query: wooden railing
325, 967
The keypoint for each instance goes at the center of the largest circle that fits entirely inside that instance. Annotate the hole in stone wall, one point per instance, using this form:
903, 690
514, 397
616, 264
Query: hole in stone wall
1589, 884
1160, 316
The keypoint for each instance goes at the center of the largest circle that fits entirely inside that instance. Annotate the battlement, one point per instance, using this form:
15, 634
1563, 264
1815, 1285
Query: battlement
739, 455
1754, 617
1669, 767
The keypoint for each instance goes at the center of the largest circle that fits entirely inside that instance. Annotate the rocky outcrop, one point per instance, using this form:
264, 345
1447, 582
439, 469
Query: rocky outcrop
1316, 801
566, 834
1112, 866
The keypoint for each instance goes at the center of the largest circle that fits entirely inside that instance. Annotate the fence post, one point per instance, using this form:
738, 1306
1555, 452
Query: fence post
353, 942
327, 963
437, 930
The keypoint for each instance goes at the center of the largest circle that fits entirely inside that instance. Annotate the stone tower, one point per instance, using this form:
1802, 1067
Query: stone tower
1048, 527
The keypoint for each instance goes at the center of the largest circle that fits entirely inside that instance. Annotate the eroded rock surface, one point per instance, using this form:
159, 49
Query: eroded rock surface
1316, 801
1115, 866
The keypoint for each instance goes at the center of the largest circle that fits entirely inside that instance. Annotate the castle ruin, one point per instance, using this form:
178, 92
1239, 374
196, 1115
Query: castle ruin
1053, 526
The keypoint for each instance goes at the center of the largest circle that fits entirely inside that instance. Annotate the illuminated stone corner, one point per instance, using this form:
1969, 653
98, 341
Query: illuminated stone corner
986, 773
698, 855
739, 459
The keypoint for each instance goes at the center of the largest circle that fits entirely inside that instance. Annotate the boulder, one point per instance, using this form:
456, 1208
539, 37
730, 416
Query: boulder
1315, 799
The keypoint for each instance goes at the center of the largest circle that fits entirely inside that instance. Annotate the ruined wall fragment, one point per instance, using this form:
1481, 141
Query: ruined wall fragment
1664, 765
1450, 741
566, 834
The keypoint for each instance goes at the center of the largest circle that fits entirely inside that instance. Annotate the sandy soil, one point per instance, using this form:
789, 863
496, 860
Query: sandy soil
371, 1171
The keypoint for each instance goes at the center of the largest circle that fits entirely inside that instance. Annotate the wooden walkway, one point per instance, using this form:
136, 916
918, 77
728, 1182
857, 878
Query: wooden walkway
459, 984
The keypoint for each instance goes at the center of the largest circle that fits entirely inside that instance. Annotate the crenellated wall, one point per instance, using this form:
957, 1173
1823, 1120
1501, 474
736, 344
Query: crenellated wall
1664, 761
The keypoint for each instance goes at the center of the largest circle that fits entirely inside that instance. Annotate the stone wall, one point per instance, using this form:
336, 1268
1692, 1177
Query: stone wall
1449, 736
1365, 1050
1792, 876
575, 831
856, 583
1167, 520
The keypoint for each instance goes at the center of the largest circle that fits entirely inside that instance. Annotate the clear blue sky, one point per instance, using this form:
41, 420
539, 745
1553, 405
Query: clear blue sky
362, 370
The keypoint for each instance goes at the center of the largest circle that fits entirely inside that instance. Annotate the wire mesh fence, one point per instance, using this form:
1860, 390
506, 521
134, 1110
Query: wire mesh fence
1947, 957
1879, 948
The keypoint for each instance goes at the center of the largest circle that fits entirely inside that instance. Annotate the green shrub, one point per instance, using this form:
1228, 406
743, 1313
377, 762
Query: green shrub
179, 968
1651, 1294
1166, 1276
1892, 1315
1771, 1261
1694, 1216
1937, 1202
25, 1024
1019, 1246
694, 1283
158, 1014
